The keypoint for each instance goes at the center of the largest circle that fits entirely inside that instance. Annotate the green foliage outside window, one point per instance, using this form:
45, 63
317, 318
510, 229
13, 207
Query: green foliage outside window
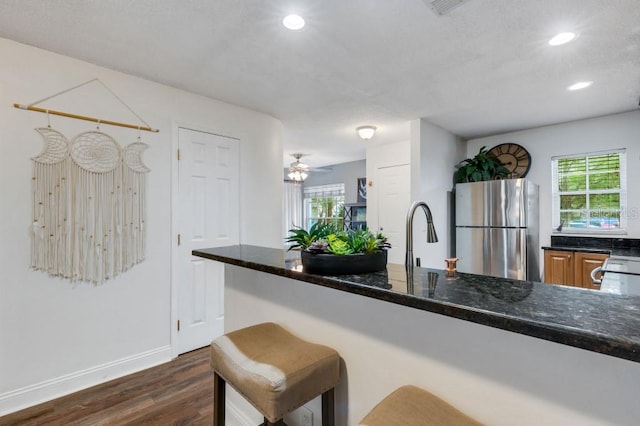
589, 190
323, 205
325, 211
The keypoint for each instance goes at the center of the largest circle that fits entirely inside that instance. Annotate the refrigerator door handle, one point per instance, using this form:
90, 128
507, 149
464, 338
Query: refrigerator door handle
486, 248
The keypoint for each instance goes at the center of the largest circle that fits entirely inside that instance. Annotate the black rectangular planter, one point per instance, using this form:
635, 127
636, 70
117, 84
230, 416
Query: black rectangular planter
348, 264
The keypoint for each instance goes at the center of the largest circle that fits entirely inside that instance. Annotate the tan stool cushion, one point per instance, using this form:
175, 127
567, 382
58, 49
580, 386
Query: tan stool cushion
412, 406
274, 370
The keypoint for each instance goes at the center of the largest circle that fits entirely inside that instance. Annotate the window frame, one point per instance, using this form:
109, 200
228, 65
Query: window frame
556, 193
334, 190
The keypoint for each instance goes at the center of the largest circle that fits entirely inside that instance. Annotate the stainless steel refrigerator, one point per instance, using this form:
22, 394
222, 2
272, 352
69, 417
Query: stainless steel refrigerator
497, 228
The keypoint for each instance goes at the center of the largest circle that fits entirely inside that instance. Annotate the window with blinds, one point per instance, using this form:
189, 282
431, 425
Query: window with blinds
590, 192
324, 204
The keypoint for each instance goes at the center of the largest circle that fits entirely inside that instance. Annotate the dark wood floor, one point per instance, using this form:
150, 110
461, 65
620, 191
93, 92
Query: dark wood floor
179, 392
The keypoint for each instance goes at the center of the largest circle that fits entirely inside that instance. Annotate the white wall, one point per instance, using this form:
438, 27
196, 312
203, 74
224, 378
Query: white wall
434, 153
347, 173
608, 132
56, 337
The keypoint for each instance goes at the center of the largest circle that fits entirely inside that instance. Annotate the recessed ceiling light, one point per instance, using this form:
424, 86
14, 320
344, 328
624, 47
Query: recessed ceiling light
561, 38
293, 22
580, 85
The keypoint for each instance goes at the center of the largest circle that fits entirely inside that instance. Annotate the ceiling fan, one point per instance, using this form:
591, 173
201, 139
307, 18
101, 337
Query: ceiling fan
299, 171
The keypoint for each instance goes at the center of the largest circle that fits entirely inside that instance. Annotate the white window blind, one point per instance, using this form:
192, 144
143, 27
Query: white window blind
589, 192
333, 190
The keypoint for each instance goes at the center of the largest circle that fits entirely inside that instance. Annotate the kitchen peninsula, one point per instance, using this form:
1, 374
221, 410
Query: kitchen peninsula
502, 350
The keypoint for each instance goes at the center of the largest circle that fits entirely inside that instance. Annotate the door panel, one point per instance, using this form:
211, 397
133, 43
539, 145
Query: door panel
393, 202
197, 292
223, 225
584, 264
559, 267
208, 190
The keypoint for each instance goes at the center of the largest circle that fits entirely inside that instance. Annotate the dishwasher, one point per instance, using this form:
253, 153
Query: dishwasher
619, 275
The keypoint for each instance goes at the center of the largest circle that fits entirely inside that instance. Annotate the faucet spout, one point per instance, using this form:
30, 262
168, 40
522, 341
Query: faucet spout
432, 237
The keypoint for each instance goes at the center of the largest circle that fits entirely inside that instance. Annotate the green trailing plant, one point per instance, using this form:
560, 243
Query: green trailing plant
480, 168
329, 239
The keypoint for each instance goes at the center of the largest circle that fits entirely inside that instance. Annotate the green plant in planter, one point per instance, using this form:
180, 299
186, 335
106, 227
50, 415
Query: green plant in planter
304, 239
480, 168
329, 239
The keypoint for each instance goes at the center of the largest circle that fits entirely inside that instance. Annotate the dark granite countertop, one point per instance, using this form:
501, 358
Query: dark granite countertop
580, 249
623, 284
588, 319
629, 247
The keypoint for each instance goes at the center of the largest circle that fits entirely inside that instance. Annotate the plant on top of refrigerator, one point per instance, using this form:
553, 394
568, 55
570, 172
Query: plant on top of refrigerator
480, 168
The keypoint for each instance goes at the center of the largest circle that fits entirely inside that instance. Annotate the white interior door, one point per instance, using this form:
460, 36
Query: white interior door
208, 208
394, 199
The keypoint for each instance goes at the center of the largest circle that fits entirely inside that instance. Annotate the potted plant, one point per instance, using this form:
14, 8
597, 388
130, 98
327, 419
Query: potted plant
326, 250
483, 166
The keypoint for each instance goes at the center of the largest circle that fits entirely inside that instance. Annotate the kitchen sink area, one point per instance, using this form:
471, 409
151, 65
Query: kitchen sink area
621, 275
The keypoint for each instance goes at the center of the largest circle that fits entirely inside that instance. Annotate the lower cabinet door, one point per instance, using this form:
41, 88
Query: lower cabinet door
584, 264
558, 267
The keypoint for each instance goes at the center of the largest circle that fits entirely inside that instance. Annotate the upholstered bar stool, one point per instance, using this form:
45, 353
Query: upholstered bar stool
412, 406
275, 371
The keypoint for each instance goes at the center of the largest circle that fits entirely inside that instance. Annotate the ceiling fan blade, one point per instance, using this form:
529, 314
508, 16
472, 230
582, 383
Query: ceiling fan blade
321, 169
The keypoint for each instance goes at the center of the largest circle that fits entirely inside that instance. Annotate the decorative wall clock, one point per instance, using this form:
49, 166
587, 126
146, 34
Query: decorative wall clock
514, 157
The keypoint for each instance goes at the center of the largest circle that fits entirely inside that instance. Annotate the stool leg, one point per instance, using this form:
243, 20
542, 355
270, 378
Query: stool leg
328, 409
218, 400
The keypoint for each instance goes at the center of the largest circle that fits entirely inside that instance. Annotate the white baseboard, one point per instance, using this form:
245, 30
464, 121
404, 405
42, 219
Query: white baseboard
47, 390
236, 417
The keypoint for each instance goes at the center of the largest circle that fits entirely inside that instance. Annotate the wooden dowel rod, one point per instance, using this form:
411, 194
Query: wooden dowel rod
84, 117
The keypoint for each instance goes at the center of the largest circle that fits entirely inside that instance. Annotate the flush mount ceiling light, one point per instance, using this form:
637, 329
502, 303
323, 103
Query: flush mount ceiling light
293, 22
298, 171
562, 38
366, 132
580, 85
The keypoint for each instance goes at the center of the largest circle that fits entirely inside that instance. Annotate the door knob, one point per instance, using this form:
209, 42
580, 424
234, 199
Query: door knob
381, 228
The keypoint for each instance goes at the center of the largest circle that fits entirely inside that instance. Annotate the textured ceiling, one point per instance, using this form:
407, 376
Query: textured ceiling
482, 68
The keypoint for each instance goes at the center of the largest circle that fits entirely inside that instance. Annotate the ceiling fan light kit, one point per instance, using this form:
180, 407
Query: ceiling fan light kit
297, 176
298, 170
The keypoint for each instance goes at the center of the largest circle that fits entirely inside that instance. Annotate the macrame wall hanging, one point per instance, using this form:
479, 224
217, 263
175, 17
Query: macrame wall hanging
88, 202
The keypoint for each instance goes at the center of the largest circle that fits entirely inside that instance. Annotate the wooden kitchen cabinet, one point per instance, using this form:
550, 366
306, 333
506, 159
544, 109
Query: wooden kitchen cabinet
571, 268
558, 267
584, 264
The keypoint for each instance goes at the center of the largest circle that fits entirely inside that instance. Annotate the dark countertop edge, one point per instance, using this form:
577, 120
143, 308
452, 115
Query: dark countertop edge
590, 341
580, 249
